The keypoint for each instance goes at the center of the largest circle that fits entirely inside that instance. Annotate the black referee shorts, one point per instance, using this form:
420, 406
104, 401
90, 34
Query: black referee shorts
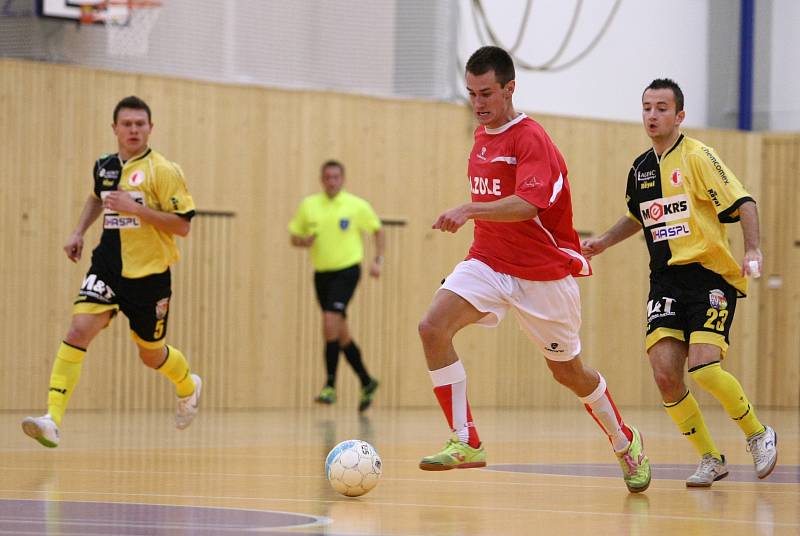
335, 289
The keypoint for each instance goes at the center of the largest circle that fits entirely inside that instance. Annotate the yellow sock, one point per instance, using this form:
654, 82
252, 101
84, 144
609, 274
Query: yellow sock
686, 414
63, 379
176, 369
730, 394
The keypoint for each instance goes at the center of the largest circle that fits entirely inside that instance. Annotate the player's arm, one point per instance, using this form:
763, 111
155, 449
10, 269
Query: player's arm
748, 219
380, 247
508, 209
168, 222
623, 229
91, 211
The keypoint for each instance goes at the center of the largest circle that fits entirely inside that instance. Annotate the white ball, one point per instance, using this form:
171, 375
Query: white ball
353, 467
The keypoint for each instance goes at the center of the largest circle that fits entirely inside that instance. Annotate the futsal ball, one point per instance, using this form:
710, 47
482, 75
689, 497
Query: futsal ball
353, 467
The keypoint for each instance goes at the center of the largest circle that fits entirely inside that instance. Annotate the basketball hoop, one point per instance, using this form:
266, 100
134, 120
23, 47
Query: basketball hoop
128, 23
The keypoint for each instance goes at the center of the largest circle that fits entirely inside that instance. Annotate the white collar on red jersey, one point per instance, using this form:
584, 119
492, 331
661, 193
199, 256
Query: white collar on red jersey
503, 128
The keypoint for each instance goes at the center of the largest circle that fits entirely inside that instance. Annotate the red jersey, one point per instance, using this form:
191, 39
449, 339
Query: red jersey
520, 158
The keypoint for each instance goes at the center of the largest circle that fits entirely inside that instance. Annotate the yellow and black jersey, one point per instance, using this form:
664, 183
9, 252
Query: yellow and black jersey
128, 245
682, 199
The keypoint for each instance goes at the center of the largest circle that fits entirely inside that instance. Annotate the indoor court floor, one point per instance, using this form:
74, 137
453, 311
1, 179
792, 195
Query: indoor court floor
245, 472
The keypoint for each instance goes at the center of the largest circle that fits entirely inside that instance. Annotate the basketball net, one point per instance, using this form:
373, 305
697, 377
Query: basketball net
128, 24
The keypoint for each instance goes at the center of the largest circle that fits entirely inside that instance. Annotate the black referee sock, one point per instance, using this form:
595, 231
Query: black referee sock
331, 361
353, 355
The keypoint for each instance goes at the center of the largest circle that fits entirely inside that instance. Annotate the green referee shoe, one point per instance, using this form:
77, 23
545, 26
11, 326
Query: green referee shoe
455, 455
367, 393
326, 396
635, 465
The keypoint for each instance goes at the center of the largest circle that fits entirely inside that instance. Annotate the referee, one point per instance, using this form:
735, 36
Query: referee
330, 223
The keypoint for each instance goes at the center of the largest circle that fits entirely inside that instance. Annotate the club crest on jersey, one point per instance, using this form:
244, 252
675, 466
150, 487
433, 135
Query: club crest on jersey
344, 223
717, 299
676, 178
162, 307
482, 154
136, 178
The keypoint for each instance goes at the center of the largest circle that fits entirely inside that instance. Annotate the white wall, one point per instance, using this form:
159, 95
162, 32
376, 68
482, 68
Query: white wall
784, 108
647, 39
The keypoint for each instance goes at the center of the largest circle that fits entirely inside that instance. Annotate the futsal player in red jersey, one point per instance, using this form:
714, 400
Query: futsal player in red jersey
525, 255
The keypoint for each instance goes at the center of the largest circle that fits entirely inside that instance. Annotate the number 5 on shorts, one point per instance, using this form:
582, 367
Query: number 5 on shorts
159, 331
716, 319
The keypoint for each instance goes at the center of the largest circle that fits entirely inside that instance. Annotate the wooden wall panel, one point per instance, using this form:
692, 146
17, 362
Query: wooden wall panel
779, 344
244, 309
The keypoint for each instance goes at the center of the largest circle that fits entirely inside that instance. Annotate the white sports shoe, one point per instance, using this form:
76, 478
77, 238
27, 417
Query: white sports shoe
764, 448
188, 405
709, 471
43, 429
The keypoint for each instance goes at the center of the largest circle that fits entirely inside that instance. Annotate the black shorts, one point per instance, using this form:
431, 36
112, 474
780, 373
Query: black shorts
334, 289
692, 304
145, 301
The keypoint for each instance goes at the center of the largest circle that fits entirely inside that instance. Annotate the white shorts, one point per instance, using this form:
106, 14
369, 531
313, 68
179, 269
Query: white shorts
548, 312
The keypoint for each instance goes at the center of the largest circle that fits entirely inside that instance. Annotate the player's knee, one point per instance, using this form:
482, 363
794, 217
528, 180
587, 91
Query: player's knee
152, 358
79, 336
429, 331
668, 382
563, 374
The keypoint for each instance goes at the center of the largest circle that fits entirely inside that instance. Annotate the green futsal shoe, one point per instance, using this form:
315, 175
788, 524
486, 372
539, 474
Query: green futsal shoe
367, 393
455, 455
635, 465
326, 396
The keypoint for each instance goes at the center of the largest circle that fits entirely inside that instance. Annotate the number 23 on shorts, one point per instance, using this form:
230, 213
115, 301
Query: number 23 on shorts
716, 319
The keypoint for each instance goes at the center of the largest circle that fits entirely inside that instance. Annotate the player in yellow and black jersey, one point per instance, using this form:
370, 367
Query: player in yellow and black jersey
681, 195
144, 202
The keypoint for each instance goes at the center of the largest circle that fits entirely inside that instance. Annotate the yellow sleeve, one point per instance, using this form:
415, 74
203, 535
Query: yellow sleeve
368, 219
719, 184
298, 226
171, 190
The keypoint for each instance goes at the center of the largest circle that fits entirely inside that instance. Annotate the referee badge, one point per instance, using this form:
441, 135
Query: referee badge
344, 223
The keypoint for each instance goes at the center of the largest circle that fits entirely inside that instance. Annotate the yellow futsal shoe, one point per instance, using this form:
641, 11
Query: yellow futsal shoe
635, 465
455, 455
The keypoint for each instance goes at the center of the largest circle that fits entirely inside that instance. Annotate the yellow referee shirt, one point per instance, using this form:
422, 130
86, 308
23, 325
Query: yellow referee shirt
337, 225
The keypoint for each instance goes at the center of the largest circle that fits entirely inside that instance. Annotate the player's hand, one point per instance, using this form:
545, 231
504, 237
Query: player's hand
451, 220
74, 247
120, 201
591, 247
752, 263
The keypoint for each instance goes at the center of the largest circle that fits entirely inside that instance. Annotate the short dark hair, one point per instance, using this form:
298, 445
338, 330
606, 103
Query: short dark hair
668, 83
495, 59
332, 163
134, 103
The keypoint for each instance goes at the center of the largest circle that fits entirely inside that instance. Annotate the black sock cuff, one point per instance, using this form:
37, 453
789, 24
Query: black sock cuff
673, 404
698, 367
